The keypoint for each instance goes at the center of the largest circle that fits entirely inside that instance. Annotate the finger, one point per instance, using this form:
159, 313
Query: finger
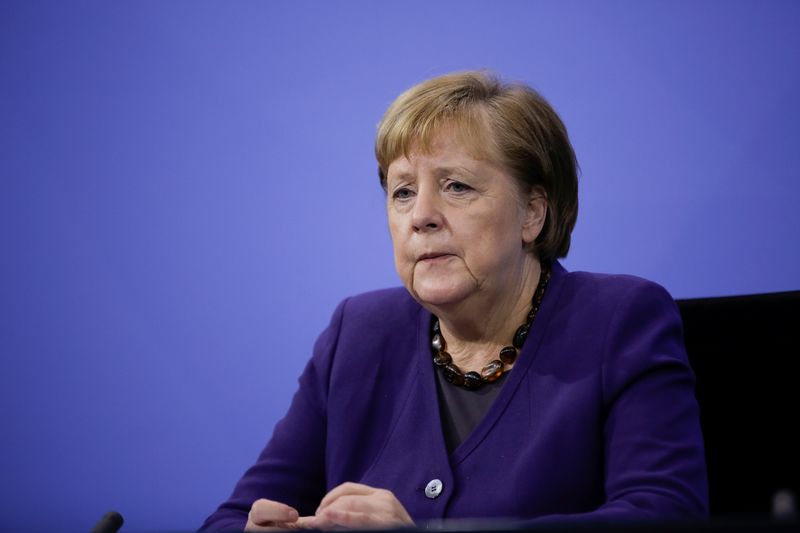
273, 527
267, 513
333, 518
371, 503
345, 489
276, 526
319, 522
303, 522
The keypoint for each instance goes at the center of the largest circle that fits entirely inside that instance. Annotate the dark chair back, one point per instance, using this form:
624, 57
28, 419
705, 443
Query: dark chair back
744, 351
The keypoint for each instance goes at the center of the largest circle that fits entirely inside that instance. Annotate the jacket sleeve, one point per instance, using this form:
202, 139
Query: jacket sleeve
291, 468
652, 442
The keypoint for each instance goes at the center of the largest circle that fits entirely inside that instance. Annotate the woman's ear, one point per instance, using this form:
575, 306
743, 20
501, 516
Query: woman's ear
535, 215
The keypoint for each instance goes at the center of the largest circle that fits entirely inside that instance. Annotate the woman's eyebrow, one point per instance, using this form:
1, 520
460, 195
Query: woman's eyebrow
445, 171
400, 175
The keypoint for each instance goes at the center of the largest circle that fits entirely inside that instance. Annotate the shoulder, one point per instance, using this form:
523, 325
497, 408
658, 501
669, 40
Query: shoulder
610, 311
634, 322
608, 293
369, 340
384, 306
372, 321
374, 326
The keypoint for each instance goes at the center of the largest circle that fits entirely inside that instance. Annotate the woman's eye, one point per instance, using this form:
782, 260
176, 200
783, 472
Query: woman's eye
401, 194
458, 187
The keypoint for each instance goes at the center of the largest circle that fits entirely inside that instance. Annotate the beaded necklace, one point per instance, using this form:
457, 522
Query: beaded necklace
473, 380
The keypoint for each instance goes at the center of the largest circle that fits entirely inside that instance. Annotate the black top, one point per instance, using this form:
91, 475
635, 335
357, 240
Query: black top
462, 409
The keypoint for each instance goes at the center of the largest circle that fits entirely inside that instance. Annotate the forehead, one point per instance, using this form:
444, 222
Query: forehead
448, 146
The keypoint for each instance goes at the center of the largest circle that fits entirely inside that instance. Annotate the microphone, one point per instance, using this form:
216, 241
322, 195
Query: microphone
110, 523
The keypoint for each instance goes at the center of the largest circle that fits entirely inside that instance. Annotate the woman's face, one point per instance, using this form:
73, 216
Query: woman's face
458, 224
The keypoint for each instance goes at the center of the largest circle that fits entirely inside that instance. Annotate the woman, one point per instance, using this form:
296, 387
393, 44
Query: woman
495, 384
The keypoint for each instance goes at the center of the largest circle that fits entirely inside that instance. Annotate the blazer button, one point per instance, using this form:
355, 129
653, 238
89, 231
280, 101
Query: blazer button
433, 489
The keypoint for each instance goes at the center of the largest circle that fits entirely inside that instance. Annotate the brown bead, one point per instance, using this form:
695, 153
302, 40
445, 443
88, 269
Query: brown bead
442, 359
436, 326
520, 335
493, 370
453, 374
508, 355
438, 343
472, 380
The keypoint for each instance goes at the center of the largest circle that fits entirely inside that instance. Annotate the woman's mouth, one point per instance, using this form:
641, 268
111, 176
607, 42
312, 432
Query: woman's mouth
435, 257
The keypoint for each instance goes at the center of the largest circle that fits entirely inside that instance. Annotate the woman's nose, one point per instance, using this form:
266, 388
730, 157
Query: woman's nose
426, 214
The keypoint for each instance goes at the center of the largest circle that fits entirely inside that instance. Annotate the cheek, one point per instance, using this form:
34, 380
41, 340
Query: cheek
402, 262
490, 238
394, 233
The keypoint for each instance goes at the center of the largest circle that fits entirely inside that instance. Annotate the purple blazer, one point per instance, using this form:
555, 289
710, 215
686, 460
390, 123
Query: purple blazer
597, 420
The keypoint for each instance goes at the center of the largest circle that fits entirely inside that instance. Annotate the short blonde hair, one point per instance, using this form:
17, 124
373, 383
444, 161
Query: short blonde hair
509, 123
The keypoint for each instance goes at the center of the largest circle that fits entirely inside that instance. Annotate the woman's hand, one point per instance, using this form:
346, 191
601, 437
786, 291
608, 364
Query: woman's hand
352, 505
266, 515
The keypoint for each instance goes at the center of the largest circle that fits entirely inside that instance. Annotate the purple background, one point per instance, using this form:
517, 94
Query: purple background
188, 188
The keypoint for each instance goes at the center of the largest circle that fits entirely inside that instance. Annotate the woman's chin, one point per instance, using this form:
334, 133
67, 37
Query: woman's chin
436, 295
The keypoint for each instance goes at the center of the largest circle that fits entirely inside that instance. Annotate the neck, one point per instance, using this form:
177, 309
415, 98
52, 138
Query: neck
476, 329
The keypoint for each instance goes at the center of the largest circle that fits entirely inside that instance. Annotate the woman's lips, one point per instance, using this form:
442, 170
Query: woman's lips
434, 258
